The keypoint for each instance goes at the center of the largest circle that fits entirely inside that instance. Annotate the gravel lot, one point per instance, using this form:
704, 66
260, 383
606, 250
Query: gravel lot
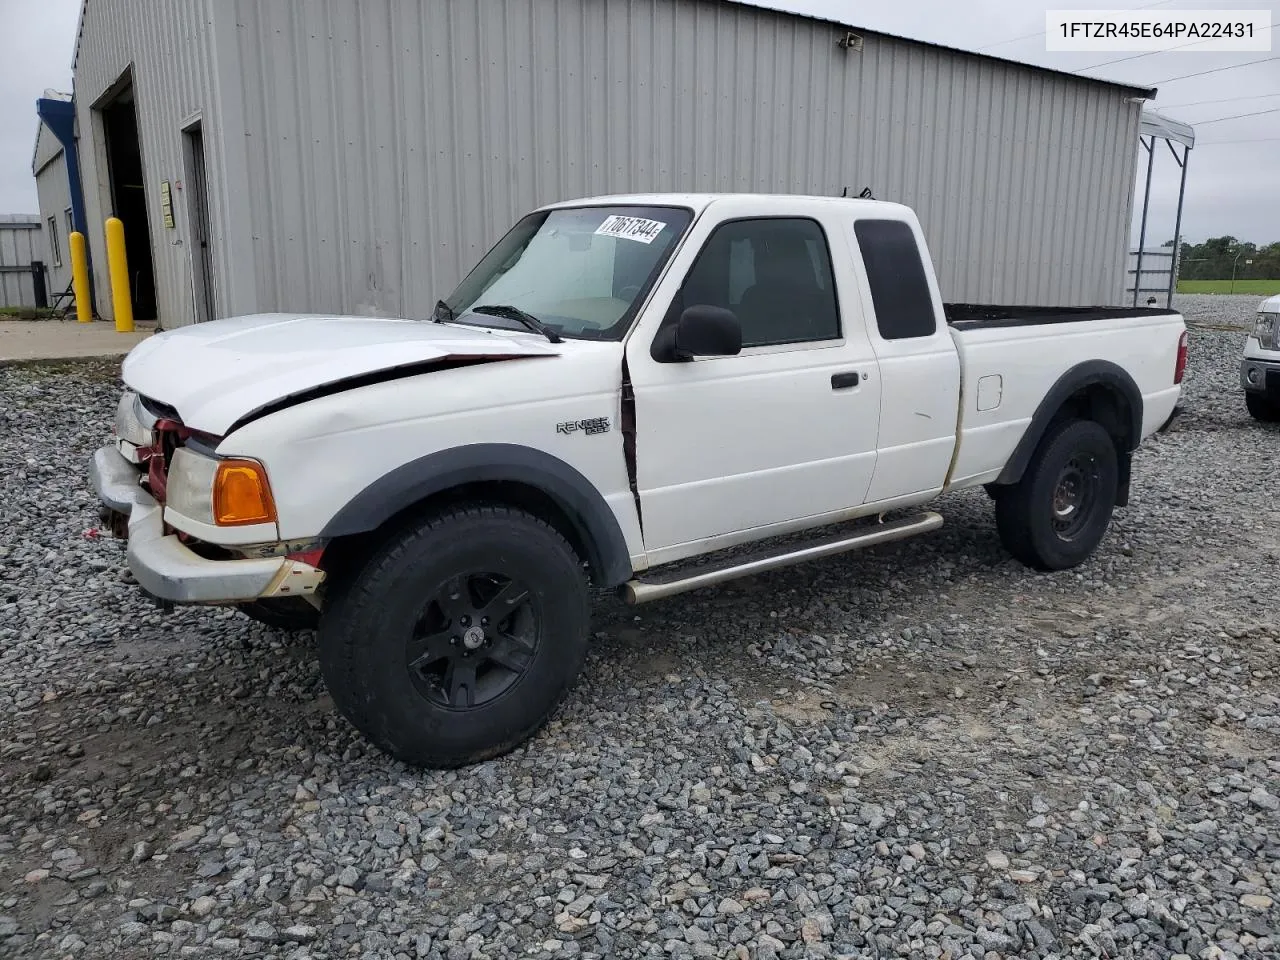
924, 750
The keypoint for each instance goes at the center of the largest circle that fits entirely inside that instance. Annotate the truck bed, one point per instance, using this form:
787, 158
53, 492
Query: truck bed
980, 316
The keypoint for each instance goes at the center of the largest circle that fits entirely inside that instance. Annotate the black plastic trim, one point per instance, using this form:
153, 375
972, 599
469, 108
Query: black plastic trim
413, 482
1090, 373
1177, 412
994, 316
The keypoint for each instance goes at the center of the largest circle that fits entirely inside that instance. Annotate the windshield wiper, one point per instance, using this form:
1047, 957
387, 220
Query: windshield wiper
508, 312
442, 312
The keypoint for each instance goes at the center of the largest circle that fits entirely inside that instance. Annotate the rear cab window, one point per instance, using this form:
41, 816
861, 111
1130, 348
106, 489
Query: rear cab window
897, 278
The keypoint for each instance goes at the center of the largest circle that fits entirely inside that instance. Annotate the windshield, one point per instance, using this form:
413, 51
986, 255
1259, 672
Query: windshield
581, 271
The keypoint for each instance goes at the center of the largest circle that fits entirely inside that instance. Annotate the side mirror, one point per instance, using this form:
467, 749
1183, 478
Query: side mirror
706, 331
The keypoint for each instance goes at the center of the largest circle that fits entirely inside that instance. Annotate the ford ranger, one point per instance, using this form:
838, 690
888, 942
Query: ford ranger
623, 389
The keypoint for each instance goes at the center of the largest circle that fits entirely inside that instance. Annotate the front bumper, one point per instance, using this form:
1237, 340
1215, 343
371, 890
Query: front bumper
168, 569
1258, 375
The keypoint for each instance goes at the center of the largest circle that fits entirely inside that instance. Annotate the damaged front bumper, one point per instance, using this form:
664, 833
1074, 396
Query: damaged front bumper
168, 569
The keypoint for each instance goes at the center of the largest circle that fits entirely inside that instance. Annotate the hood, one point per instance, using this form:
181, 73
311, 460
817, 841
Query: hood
216, 374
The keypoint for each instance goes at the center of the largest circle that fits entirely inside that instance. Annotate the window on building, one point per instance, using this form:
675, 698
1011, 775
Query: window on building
895, 274
55, 251
774, 274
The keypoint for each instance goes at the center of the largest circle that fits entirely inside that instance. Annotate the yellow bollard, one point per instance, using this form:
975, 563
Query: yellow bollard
80, 277
118, 265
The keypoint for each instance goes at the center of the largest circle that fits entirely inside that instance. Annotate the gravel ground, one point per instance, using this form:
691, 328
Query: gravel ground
924, 750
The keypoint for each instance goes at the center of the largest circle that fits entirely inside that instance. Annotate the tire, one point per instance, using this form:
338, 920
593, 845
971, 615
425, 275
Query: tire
290, 614
1262, 408
1056, 515
459, 638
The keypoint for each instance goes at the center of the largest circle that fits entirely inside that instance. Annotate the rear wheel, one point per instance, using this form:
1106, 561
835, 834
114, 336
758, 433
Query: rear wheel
1261, 407
1057, 514
459, 638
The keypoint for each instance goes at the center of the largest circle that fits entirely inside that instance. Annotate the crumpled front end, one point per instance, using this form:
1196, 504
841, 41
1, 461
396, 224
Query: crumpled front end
174, 556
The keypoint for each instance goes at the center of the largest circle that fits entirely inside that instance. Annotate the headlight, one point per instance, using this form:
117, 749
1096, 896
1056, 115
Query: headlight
133, 422
1265, 329
224, 493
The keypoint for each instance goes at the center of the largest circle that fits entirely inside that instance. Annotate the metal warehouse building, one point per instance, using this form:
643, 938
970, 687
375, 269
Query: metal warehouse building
304, 155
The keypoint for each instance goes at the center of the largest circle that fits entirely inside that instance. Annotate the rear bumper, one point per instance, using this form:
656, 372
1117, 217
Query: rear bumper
168, 569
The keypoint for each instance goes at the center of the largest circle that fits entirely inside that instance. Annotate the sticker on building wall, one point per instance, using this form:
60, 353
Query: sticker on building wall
166, 204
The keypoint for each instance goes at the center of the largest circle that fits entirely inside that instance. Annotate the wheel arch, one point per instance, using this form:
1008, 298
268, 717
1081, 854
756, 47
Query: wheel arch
511, 474
1096, 390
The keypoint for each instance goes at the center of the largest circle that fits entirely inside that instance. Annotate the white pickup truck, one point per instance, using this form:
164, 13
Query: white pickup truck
622, 384
1260, 366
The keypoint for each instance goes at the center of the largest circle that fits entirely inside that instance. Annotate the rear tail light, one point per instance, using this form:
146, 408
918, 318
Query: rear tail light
1181, 367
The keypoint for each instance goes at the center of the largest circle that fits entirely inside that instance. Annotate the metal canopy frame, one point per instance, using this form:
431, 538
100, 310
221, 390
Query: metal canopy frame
1153, 127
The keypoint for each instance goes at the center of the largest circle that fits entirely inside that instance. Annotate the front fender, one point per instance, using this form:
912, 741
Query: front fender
435, 473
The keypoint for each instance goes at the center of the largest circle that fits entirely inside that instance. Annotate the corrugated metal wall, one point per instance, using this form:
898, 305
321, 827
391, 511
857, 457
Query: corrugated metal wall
47, 147
21, 241
169, 44
393, 141
362, 156
54, 192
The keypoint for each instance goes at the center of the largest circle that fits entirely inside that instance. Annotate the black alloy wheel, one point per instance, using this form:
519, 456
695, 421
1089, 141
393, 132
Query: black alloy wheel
476, 638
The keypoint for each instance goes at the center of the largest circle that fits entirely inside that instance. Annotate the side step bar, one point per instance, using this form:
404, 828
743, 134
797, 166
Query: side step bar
657, 588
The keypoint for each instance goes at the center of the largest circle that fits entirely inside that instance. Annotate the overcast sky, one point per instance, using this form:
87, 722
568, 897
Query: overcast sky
1233, 186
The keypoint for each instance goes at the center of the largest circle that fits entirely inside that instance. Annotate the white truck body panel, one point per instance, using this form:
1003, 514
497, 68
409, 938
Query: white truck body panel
718, 438
1025, 361
373, 429
245, 363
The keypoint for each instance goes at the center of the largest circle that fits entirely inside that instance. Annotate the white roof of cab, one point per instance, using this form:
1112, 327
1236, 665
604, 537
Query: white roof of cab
698, 202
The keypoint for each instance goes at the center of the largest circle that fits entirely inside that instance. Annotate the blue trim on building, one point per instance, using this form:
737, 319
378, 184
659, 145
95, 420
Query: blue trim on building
60, 117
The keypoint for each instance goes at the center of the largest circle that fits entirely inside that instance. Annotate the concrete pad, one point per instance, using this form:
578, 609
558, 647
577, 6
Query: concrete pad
66, 339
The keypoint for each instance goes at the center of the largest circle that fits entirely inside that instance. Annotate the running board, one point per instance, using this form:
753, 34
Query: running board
642, 591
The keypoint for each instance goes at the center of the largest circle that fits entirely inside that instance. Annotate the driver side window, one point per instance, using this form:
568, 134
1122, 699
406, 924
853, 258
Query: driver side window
774, 274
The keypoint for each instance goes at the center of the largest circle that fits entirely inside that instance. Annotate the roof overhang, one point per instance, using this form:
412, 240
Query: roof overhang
1166, 128
787, 8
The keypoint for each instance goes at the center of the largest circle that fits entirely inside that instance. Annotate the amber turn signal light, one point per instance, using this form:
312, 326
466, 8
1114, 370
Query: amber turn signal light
241, 494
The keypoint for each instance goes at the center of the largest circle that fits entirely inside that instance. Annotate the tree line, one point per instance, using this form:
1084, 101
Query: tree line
1213, 260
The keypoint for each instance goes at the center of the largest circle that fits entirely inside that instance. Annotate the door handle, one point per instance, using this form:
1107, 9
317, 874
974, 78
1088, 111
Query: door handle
842, 381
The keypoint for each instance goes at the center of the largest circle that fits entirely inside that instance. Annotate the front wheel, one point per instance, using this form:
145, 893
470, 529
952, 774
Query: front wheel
459, 638
1056, 515
1262, 407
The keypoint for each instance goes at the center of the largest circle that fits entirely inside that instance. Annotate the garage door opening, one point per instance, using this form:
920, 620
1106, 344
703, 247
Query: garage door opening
128, 196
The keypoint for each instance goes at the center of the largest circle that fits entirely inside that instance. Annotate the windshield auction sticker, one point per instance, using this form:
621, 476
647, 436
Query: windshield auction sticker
631, 228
